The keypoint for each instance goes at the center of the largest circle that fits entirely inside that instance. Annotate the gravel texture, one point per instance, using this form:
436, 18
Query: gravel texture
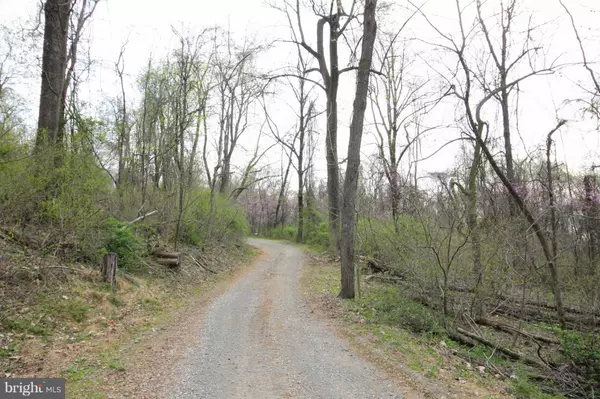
260, 340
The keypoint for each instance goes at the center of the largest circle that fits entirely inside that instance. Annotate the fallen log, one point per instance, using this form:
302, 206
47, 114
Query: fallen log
516, 301
171, 262
379, 267
383, 277
166, 258
505, 351
532, 315
510, 329
165, 254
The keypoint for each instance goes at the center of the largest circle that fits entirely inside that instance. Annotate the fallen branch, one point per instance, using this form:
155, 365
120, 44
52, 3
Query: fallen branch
505, 351
201, 265
532, 315
378, 267
141, 218
549, 306
129, 278
22, 239
510, 329
383, 277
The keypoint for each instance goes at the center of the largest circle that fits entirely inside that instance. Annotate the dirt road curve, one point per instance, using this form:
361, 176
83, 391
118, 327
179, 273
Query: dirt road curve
260, 341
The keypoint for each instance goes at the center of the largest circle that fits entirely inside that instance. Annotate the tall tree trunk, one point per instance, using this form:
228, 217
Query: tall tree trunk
508, 157
356, 131
395, 191
591, 223
281, 198
333, 170
333, 179
54, 65
300, 232
225, 175
474, 233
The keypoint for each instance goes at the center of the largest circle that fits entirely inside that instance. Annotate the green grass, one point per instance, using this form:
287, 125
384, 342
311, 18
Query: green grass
25, 325
521, 387
78, 370
150, 304
384, 304
115, 301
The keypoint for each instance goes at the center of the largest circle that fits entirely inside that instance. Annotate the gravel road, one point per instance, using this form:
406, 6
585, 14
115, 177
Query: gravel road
259, 340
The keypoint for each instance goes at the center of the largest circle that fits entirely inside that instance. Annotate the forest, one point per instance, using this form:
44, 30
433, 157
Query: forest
442, 158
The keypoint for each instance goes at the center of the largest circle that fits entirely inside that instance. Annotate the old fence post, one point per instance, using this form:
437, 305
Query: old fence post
109, 269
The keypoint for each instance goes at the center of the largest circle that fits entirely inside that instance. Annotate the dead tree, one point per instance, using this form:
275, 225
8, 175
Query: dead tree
122, 121
109, 269
593, 106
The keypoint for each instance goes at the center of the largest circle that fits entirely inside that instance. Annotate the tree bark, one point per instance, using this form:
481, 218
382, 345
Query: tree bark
333, 170
474, 234
356, 131
300, 232
279, 216
109, 269
590, 223
54, 65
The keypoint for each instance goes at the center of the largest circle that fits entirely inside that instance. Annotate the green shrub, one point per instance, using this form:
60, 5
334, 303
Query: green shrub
287, 232
228, 225
522, 387
385, 305
123, 241
583, 351
59, 192
319, 236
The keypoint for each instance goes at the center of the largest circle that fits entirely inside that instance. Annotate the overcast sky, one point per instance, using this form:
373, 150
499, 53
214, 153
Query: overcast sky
146, 25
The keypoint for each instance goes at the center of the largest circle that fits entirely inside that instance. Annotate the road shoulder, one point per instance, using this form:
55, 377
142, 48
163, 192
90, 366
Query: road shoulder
320, 284
147, 361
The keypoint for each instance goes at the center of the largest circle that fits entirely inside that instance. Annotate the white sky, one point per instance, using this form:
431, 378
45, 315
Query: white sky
147, 26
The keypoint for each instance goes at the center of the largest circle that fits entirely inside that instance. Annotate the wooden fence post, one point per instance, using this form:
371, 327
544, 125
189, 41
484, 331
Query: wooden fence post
109, 269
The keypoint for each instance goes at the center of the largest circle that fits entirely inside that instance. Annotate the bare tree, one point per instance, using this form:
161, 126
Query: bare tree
396, 101
594, 104
186, 112
122, 120
295, 142
333, 14
252, 173
238, 90
474, 119
80, 15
